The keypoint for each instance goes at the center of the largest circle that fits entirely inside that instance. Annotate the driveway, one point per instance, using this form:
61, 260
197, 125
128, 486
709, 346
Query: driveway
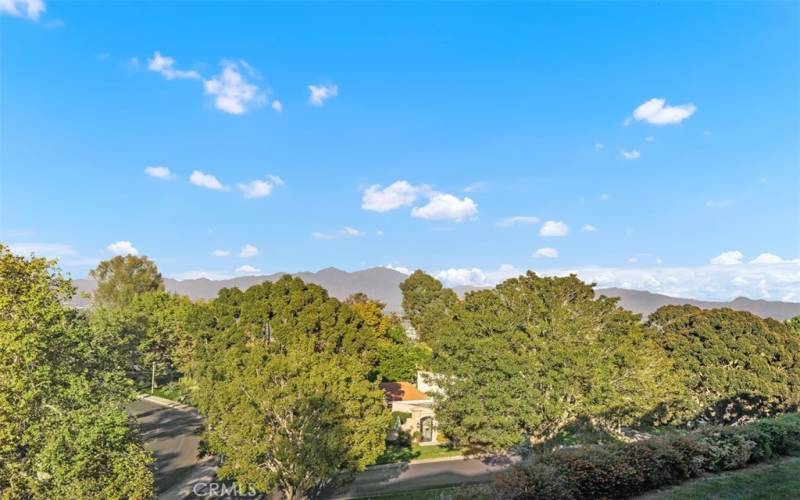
170, 432
398, 478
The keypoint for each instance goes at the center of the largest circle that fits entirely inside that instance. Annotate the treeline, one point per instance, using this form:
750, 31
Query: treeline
287, 376
519, 362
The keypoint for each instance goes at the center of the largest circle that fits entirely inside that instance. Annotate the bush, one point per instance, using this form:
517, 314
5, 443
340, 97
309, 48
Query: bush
626, 470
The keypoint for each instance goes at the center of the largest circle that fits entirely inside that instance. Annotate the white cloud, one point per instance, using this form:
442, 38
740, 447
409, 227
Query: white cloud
260, 188
122, 248
630, 155
248, 251
277, 106
709, 282
589, 228
656, 112
159, 172
604, 197
345, 232
208, 181
232, 92
397, 194
633, 260
476, 187
475, 276
650, 138
554, 228
731, 258
318, 94
399, 269
770, 258
166, 67
446, 206
31, 9
599, 146
221, 253
521, 220
547, 252
247, 270
49, 250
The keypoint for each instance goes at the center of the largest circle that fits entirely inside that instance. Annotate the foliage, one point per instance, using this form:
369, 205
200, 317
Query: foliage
120, 279
626, 470
736, 364
63, 427
525, 359
282, 375
426, 303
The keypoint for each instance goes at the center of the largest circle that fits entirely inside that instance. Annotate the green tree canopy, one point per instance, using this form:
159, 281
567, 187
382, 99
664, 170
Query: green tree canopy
735, 363
530, 356
283, 375
426, 303
120, 279
64, 432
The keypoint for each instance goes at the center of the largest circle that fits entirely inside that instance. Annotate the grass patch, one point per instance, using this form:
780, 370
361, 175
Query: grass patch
402, 453
774, 480
469, 492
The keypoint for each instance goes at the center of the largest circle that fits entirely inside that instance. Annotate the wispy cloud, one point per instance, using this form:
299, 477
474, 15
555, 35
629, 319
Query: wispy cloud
30, 9
166, 67
260, 188
221, 253
630, 155
518, 220
546, 252
159, 172
248, 251
49, 250
318, 94
345, 232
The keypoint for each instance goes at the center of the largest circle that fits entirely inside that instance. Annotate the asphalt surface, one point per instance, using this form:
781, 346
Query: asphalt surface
403, 477
172, 435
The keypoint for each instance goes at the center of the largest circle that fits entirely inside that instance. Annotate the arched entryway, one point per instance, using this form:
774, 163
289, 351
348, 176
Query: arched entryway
426, 429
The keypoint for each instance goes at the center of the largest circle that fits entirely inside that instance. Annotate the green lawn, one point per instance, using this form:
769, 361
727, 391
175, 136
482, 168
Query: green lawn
770, 481
396, 453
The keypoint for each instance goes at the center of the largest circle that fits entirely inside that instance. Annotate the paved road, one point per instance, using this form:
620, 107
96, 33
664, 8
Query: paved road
398, 478
171, 434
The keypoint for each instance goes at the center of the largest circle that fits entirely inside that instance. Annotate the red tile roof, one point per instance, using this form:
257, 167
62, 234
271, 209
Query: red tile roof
402, 391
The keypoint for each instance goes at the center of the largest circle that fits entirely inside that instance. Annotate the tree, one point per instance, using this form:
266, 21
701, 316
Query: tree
736, 364
521, 361
283, 380
63, 428
426, 303
120, 279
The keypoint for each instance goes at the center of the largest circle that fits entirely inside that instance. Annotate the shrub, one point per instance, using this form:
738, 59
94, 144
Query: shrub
626, 470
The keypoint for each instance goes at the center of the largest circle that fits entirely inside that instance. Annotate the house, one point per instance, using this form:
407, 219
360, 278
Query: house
413, 410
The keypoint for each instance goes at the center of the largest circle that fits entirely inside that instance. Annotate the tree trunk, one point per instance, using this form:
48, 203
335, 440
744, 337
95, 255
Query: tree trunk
153, 378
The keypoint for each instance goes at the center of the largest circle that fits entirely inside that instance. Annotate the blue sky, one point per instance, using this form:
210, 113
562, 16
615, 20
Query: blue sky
471, 140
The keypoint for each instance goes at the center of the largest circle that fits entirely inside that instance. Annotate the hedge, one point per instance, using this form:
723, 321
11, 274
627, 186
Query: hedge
626, 470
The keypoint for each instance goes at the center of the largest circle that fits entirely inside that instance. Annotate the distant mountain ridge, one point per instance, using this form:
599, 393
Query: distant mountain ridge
382, 284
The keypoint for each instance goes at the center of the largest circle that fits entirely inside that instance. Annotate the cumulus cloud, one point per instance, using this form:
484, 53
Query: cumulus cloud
247, 270
221, 253
630, 155
554, 228
546, 252
166, 67
260, 188
399, 269
770, 258
159, 172
277, 105
730, 258
318, 94
446, 206
589, 228
521, 220
657, 112
248, 251
122, 248
475, 276
207, 181
345, 232
395, 195
30, 9
231, 90
49, 250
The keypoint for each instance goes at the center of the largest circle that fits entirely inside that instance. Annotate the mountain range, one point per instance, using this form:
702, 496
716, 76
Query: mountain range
382, 284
